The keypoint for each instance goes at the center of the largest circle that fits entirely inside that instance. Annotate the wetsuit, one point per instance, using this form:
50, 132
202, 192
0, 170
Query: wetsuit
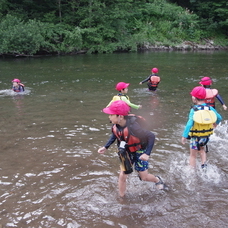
151, 86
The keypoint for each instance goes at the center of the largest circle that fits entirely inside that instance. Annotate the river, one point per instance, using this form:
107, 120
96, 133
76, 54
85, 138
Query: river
50, 172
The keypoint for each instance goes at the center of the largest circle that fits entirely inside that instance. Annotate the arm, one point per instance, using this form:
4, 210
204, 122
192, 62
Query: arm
188, 125
221, 101
22, 89
145, 80
108, 144
123, 98
111, 140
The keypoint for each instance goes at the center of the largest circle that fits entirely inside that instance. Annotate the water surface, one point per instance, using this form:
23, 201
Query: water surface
50, 172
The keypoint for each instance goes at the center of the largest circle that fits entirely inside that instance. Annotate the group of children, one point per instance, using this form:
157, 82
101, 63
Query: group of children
135, 143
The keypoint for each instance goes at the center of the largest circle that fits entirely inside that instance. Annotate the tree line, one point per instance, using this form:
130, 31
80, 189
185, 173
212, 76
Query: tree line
30, 27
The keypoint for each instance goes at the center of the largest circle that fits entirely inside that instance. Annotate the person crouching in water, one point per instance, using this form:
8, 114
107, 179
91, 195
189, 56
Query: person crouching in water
211, 94
198, 131
152, 80
17, 85
134, 144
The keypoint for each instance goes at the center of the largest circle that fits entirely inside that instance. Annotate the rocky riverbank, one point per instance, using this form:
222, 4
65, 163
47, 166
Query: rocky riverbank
187, 45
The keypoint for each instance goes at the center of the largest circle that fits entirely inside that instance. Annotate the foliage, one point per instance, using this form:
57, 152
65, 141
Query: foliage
212, 15
28, 38
30, 27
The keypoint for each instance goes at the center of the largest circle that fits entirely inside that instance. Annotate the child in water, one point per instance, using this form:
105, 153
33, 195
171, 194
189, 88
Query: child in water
135, 145
122, 87
199, 133
211, 94
152, 80
17, 85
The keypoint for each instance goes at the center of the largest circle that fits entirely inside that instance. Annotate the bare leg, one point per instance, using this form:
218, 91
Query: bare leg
122, 183
145, 176
203, 155
192, 159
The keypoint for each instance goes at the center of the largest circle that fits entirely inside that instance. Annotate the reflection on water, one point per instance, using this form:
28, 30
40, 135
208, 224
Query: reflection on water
50, 172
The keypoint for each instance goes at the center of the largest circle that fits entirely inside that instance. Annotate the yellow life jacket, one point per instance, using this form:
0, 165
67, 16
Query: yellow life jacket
117, 97
204, 118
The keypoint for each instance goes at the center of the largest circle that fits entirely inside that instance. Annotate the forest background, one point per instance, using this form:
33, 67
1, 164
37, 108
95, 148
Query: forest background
32, 27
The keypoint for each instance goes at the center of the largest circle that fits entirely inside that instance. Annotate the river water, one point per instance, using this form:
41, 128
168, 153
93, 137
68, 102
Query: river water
50, 172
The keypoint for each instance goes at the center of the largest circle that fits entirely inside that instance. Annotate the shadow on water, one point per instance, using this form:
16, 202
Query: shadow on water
51, 173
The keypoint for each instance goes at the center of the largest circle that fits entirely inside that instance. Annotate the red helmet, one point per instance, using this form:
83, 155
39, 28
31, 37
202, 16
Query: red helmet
121, 85
199, 92
16, 80
117, 108
205, 81
154, 70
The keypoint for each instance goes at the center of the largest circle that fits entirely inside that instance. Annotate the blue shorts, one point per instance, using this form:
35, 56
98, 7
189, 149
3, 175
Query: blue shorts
197, 142
138, 163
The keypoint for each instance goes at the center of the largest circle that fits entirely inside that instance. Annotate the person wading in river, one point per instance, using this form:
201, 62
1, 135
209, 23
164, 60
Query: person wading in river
122, 87
202, 119
211, 94
17, 85
152, 80
134, 145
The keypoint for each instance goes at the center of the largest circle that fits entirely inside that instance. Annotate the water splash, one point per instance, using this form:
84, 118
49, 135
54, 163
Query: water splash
10, 92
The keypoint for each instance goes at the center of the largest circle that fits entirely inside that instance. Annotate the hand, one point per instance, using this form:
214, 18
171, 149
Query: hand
224, 107
183, 140
144, 157
101, 150
140, 83
140, 106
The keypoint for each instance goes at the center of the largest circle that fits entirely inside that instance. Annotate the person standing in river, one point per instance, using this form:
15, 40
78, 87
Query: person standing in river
122, 87
134, 145
211, 94
152, 80
198, 131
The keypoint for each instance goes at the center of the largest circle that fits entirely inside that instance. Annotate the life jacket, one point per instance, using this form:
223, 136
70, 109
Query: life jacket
133, 143
204, 118
118, 97
19, 89
210, 96
154, 80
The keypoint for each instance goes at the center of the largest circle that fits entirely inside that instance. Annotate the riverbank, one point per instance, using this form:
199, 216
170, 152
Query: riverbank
187, 46
184, 46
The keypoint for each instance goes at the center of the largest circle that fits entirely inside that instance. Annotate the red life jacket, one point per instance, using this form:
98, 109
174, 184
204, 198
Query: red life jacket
133, 143
154, 80
210, 96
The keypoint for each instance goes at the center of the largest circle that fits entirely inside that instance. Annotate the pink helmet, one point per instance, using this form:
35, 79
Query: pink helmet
205, 81
154, 70
121, 85
199, 92
16, 80
117, 108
